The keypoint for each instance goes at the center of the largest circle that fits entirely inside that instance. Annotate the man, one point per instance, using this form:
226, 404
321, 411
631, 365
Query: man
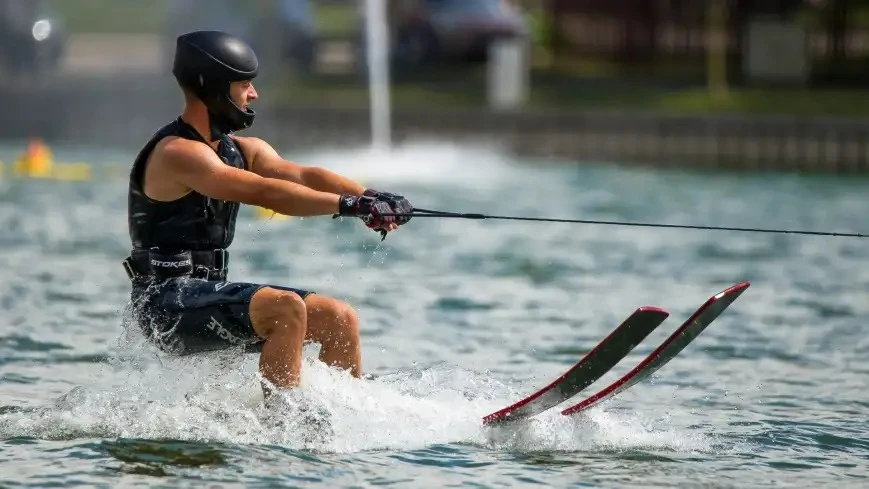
184, 193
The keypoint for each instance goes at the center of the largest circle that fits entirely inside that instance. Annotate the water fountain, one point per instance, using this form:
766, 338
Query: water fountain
377, 45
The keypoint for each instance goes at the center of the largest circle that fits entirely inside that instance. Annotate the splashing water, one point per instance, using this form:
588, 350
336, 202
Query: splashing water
217, 398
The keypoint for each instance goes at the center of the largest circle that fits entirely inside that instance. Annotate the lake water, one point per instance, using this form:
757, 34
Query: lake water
460, 318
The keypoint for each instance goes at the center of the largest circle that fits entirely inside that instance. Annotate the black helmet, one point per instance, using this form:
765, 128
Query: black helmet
206, 62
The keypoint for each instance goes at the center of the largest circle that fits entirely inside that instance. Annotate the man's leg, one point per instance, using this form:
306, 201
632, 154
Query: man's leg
199, 316
280, 318
335, 326
285, 320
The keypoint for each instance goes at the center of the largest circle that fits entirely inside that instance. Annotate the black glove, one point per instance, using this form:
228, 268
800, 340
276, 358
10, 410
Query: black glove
368, 208
397, 203
376, 209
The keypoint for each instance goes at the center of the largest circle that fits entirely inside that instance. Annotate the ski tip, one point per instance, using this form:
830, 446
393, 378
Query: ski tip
733, 289
653, 310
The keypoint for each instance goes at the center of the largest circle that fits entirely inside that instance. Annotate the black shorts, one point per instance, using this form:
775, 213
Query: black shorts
190, 315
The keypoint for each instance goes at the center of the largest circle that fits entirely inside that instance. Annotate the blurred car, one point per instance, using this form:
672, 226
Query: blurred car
298, 33
286, 29
192, 15
33, 38
425, 31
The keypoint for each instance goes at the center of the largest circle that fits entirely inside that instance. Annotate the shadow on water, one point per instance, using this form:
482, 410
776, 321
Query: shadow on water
566, 459
154, 457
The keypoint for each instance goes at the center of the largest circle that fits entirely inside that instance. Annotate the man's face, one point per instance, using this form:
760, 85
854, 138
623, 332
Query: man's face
242, 93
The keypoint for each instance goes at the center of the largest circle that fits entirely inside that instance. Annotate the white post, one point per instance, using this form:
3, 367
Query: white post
378, 72
508, 74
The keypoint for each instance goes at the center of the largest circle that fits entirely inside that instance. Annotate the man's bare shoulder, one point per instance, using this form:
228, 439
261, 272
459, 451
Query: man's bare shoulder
178, 147
183, 154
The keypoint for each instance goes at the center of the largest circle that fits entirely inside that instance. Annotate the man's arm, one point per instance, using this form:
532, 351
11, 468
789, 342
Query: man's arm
197, 167
266, 162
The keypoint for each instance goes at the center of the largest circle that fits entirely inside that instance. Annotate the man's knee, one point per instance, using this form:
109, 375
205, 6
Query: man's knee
275, 311
348, 318
344, 313
340, 314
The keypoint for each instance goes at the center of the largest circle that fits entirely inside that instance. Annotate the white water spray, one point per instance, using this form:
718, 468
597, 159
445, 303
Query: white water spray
378, 72
216, 398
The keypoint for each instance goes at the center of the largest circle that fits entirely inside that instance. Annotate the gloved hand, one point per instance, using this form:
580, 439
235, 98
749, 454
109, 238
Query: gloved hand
397, 203
375, 209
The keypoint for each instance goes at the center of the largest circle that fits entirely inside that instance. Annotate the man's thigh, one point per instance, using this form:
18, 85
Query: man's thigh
199, 315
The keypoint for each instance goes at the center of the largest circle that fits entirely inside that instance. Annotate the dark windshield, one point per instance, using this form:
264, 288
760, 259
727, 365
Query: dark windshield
466, 6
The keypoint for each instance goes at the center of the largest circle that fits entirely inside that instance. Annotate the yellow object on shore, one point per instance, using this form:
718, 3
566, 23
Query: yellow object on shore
37, 161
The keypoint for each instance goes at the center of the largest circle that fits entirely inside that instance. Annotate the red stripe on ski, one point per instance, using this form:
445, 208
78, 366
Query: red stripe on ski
591, 367
671, 347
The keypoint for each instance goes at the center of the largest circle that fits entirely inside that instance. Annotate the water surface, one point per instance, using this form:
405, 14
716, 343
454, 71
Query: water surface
460, 318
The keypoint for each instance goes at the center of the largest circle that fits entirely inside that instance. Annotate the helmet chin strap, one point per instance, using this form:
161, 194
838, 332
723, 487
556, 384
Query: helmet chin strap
222, 124
218, 125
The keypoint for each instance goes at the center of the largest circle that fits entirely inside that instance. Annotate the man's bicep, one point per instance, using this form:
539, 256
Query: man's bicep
266, 162
212, 178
